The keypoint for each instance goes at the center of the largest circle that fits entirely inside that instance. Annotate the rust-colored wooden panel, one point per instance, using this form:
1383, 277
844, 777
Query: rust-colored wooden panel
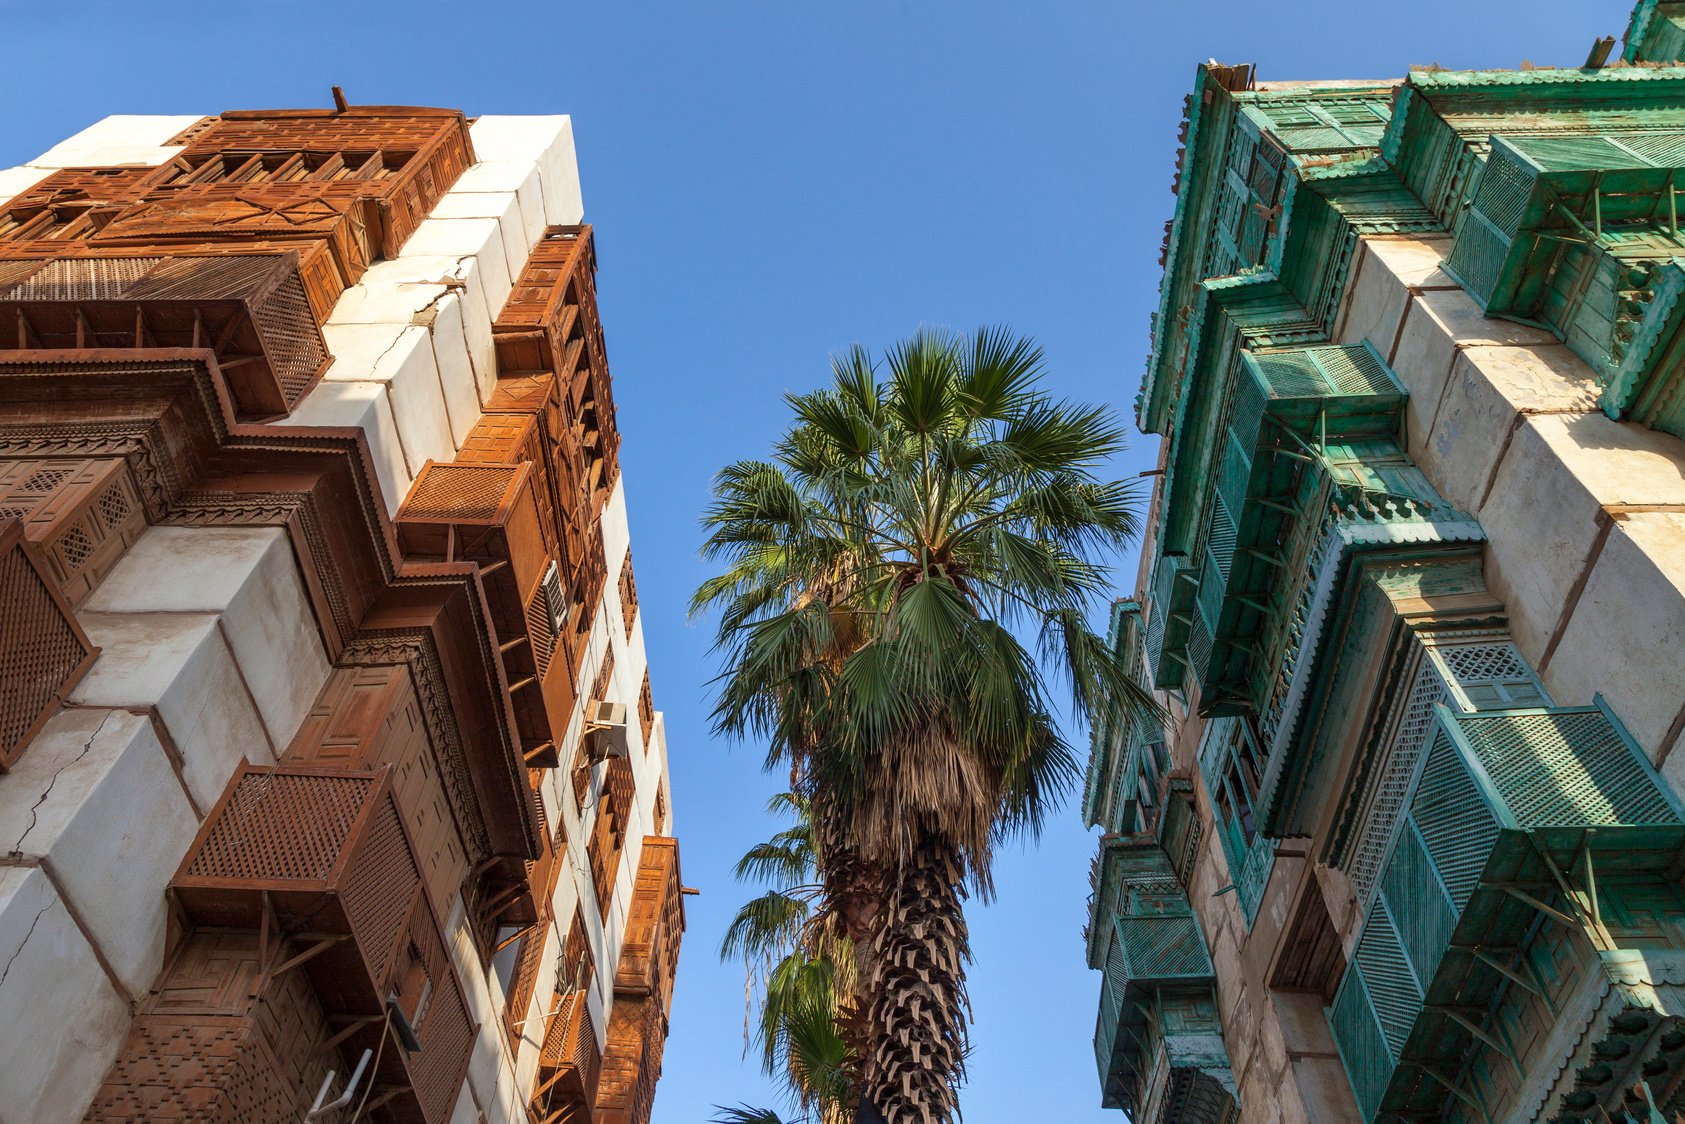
349, 715
637, 1032
605, 676
46, 652
608, 838
74, 203
83, 514
348, 225
213, 973
569, 1062
501, 439
518, 1004
628, 593
621, 783
646, 710
219, 1041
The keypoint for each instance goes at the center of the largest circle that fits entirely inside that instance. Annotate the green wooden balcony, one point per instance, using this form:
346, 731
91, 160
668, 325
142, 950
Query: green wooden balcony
1515, 820
1157, 1007
1168, 619
1643, 372
1271, 489
1581, 235
1538, 196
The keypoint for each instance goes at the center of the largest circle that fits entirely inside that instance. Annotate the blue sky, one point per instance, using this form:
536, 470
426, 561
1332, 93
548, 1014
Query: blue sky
770, 182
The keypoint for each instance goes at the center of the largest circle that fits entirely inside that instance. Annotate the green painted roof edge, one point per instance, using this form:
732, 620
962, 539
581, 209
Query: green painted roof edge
1430, 81
1638, 25
1185, 190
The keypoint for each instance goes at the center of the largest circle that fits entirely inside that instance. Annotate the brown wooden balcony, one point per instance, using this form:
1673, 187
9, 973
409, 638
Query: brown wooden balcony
549, 325
322, 858
541, 609
251, 309
488, 514
569, 1062
402, 157
655, 924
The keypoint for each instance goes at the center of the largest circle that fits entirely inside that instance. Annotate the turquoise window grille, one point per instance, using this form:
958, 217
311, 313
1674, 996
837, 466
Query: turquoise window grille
1232, 765
1482, 673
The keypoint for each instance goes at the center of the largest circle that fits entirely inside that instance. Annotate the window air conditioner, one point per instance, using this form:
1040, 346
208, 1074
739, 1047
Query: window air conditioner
605, 728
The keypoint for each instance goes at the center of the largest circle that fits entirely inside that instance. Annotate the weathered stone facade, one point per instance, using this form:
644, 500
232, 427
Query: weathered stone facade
1413, 598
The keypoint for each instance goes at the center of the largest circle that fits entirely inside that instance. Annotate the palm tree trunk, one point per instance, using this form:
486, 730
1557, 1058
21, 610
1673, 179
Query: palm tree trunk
915, 975
854, 891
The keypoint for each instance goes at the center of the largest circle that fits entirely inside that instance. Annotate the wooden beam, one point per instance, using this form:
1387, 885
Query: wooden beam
1547, 910
1588, 875
1456, 1091
1508, 973
1485, 1036
316, 949
350, 1028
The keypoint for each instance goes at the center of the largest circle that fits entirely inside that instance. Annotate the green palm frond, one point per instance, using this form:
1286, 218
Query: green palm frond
743, 1114
765, 926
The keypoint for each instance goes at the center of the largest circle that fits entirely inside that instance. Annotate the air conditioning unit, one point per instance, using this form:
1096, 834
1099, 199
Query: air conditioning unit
605, 728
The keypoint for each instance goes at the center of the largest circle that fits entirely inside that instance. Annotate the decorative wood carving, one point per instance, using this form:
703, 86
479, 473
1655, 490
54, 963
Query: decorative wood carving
82, 513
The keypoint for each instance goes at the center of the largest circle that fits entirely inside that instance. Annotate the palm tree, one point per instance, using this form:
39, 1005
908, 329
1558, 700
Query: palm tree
800, 965
879, 572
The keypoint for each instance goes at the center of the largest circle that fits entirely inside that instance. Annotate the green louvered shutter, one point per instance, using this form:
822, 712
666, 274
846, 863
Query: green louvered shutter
1392, 986
1418, 902
1456, 823
1489, 228
1357, 1035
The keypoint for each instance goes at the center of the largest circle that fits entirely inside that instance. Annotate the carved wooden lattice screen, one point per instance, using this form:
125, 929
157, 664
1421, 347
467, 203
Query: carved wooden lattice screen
82, 514
326, 851
46, 652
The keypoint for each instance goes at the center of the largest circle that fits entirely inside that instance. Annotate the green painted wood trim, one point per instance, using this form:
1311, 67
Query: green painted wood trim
1150, 402
1446, 719
1643, 759
1638, 26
